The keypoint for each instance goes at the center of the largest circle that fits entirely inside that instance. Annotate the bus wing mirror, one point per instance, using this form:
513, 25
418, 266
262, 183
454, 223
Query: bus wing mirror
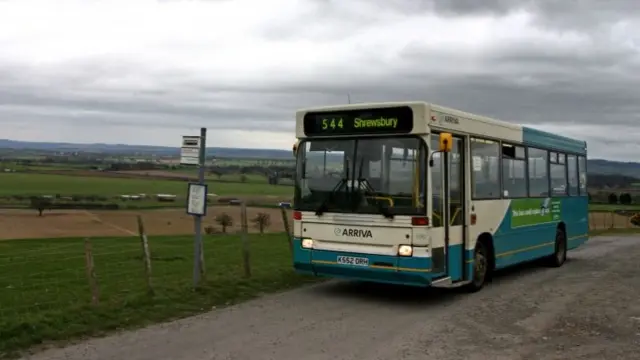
446, 142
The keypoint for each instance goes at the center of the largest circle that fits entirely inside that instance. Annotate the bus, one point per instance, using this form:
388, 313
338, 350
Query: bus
417, 194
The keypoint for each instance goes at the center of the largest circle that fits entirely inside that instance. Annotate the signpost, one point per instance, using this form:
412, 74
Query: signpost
193, 152
197, 199
190, 150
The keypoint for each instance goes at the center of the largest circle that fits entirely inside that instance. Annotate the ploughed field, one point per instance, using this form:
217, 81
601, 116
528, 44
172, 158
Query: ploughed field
23, 224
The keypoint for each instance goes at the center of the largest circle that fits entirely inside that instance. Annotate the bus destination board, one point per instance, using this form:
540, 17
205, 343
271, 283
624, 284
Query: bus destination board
393, 120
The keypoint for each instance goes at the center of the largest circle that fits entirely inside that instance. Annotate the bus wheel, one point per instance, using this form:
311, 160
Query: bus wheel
560, 254
480, 267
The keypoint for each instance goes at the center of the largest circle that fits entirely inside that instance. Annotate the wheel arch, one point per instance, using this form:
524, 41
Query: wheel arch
487, 240
562, 227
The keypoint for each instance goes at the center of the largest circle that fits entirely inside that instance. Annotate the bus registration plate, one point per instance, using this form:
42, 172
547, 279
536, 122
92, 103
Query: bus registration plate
350, 260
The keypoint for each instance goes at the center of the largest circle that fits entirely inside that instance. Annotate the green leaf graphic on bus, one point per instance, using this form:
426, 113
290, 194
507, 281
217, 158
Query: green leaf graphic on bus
527, 212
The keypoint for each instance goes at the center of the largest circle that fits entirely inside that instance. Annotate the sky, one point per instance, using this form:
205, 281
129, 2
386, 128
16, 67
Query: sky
148, 72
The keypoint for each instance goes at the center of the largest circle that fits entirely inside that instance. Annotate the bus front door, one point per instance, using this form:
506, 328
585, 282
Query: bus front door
456, 218
448, 190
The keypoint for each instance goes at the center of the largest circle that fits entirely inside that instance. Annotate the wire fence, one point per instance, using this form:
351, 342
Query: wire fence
54, 287
606, 220
40, 275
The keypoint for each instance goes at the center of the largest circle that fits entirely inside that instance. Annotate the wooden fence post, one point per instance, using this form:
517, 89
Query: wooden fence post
613, 220
203, 272
245, 239
287, 228
91, 272
146, 255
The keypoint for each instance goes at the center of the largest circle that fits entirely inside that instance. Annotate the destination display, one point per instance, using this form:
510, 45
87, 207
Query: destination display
394, 120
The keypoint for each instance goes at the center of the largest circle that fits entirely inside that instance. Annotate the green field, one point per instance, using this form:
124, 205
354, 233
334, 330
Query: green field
45, 294
48, 184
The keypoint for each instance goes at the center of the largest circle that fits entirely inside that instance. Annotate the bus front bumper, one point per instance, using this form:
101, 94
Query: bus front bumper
413, 271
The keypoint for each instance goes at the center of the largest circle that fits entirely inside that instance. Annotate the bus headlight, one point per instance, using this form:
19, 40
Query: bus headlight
307, 243
405, 250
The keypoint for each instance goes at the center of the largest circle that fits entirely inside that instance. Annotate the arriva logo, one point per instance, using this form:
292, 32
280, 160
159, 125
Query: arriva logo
353, 233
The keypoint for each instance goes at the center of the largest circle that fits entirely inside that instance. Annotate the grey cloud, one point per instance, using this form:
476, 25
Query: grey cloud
588, 15
583, 14
188, 105
517, 86
465, 7
594, 83
99, 120
454, 7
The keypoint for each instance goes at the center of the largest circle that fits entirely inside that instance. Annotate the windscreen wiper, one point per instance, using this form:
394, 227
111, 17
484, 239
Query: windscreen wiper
323, 206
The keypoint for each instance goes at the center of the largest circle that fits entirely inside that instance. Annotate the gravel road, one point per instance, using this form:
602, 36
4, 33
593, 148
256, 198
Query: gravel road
588, 309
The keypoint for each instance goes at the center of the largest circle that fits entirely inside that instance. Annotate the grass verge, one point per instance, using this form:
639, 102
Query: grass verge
45, 294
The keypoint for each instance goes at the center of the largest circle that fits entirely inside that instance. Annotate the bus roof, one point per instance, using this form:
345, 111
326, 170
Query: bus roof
481, 125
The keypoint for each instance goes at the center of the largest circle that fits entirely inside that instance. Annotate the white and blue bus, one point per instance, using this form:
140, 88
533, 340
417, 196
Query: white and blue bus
418, 194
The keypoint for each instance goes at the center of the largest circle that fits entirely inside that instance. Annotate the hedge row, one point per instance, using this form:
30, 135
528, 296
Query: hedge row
83, 206
59, 196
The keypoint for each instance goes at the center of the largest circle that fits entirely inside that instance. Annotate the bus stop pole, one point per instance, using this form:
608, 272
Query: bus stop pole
197, 220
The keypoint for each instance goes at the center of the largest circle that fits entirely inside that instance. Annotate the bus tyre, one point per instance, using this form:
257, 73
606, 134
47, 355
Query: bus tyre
560, 254
480, 267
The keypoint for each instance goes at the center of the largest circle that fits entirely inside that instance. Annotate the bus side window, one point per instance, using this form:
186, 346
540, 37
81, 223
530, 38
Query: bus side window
538, 174
485, 158
582, 175
514, 163
572, 167
558, 172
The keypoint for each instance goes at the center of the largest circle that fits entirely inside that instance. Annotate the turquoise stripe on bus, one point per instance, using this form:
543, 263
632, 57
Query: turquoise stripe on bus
534, 137
404, 271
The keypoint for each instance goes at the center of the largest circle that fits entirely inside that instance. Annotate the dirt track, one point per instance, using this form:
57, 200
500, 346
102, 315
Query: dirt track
587, 309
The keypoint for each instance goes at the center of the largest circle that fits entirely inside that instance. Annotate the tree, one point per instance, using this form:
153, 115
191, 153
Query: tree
613, 198
262, 221
243, 178
625, 199
40, 203
224, 220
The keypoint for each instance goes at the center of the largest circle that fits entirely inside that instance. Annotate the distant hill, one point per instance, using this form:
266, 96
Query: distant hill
608, 167
142, 149
596, 166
